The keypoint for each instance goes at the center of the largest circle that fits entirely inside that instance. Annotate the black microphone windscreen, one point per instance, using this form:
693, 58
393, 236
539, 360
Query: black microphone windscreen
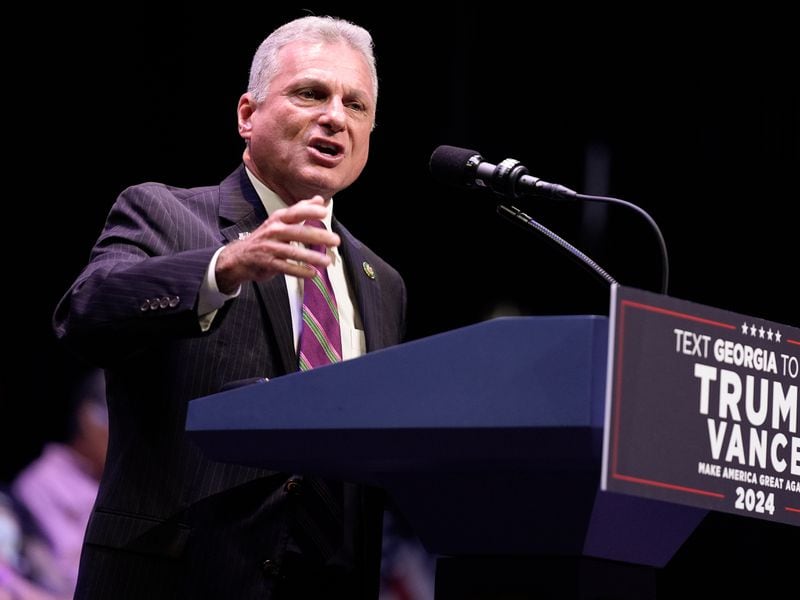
450, 164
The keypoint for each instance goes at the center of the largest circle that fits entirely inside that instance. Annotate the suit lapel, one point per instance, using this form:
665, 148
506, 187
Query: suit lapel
366, 289
241, 211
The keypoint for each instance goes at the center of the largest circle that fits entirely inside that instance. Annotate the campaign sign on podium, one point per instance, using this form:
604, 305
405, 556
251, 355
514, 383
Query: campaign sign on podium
702, 407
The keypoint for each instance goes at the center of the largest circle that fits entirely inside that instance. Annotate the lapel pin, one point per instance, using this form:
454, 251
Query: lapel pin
370, 272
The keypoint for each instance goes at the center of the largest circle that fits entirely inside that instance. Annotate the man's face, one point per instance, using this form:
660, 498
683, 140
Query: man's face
310, 135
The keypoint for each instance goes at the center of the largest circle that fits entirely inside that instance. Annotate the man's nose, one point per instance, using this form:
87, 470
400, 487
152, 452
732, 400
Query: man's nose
333, 115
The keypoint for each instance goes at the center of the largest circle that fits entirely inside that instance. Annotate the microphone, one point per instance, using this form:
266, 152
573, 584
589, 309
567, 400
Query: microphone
464, 167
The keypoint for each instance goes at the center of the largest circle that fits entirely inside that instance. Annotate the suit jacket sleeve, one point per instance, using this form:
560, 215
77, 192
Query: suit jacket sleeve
144, 274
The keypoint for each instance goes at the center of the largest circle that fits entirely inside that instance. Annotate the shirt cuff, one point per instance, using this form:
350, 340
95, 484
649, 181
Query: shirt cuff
210, 298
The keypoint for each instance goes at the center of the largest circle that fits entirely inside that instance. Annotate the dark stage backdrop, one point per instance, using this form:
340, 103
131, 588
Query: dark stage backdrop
694, 121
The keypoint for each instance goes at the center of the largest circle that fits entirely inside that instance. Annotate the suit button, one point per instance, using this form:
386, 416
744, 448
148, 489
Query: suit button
292, 487
173, 301
154, 304
164, 302
270, 567
145, 306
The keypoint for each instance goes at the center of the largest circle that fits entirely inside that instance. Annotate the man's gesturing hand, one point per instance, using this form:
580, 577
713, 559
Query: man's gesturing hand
277, 246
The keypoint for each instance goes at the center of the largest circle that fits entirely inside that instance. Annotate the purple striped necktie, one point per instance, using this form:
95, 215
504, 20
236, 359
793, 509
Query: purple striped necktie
320, 337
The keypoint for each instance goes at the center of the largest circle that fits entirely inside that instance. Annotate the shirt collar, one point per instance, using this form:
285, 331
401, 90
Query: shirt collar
273, 202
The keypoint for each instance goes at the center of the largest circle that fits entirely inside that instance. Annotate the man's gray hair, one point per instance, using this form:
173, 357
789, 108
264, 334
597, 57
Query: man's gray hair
314, 29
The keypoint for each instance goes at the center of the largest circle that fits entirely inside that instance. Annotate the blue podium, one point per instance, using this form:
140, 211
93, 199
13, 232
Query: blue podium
488, 438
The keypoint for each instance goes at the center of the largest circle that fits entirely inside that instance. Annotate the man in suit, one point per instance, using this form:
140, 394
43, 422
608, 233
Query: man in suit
190, 289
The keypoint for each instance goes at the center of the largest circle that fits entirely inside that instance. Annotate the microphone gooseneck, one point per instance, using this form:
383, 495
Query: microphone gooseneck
515, 215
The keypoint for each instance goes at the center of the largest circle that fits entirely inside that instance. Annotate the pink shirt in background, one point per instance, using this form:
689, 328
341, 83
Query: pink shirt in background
59, 492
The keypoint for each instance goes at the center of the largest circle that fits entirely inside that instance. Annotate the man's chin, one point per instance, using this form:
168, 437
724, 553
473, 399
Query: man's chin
325, 184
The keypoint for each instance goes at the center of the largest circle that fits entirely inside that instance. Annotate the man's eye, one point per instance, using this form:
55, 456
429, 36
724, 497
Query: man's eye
307, 94
357, 106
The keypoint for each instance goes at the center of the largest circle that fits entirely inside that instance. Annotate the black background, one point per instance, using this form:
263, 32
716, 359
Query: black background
696, 117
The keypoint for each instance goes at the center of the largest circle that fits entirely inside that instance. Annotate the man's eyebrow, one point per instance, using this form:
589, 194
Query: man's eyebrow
308, 81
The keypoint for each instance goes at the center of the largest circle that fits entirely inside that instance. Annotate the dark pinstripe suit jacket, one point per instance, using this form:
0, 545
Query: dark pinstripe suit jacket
168, 523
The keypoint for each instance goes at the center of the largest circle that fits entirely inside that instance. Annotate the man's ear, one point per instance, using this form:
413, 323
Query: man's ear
244, 112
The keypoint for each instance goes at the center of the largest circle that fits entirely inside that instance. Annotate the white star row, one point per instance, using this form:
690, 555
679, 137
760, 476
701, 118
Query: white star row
760, 332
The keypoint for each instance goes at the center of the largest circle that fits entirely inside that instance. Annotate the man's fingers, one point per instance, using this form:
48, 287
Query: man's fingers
299, 254
305, 210
282, 227
298, 269
305, 234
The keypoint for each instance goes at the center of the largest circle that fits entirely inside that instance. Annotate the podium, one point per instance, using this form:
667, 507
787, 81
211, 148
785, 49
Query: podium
488, 438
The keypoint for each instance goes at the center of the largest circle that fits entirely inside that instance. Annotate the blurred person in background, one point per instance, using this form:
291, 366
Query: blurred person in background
57, 490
